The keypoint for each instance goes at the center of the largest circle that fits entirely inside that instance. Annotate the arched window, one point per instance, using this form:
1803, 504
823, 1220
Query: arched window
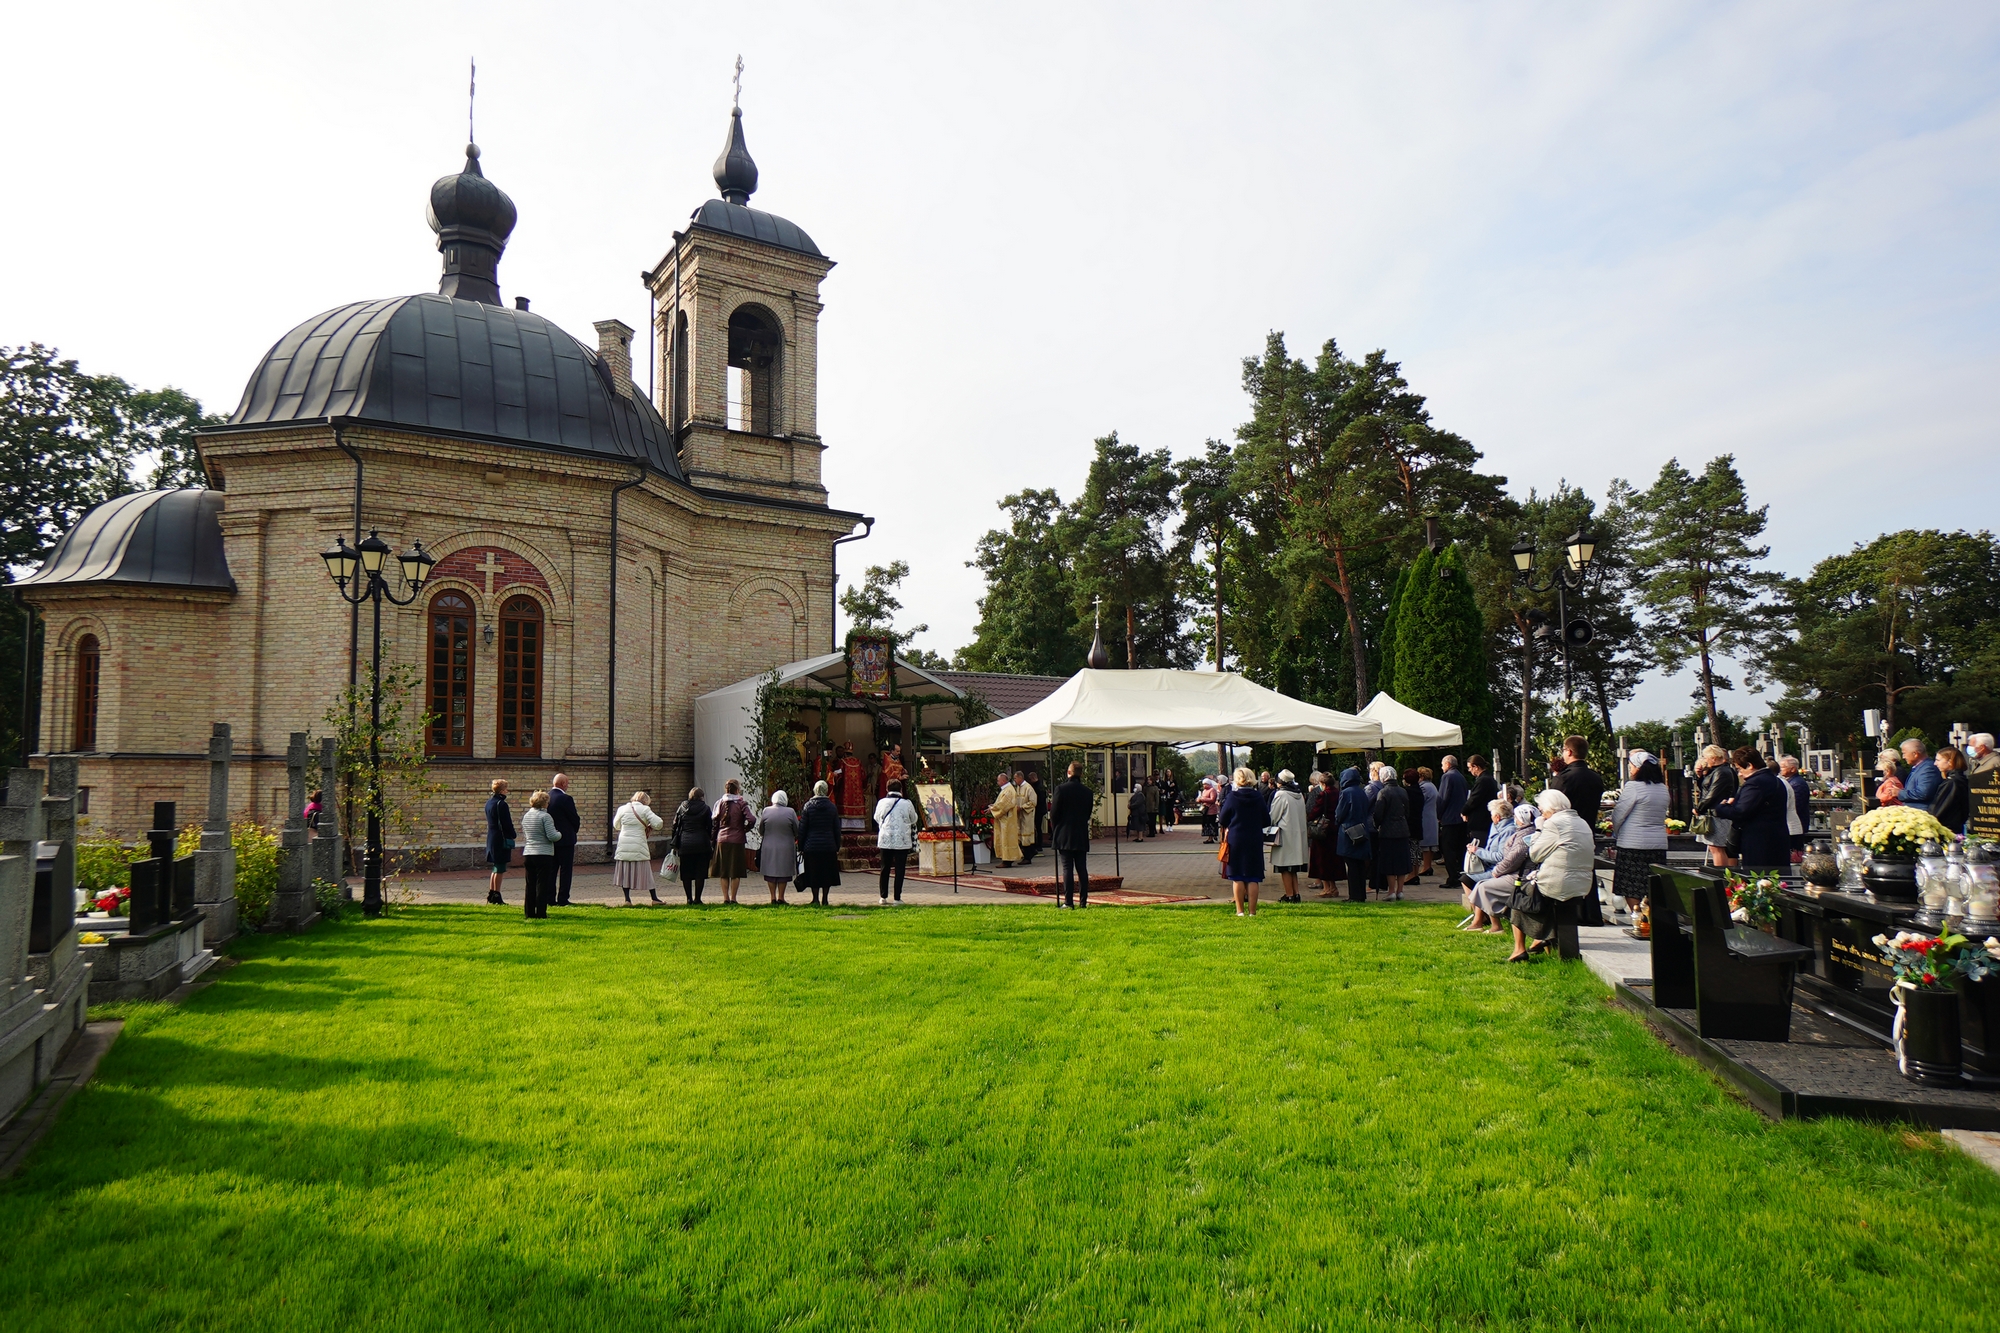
521, 677
679, 414
754, 340
89, 668
451, 674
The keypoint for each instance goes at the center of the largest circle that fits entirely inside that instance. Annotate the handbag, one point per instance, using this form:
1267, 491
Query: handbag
1528, 898
1222, 857
1356, 832
1702, 825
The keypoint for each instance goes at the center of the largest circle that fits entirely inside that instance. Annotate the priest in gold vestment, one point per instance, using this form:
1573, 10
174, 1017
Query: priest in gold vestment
1007, 823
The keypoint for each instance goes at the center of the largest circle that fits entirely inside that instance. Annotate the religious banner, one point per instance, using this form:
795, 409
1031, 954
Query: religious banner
870, 664
1985, 823
935, 798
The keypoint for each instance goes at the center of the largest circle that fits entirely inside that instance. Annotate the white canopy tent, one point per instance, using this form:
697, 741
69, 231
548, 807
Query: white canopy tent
1404, 728
1098, 708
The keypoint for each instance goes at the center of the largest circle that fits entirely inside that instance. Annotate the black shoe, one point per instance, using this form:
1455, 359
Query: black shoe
494, 899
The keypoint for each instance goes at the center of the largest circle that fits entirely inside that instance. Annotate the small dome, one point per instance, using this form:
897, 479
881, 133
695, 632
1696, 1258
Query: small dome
753, 225
735, 172
163, 538
471, 203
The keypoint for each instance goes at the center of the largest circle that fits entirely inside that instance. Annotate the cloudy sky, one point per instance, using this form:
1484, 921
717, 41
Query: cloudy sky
1596, 236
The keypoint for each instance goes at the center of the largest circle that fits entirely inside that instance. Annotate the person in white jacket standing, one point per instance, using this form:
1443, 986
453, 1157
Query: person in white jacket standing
632, 822
896, 817
1565, 859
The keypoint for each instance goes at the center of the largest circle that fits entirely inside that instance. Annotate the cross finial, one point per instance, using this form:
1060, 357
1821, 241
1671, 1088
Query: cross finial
738, 81
471, 93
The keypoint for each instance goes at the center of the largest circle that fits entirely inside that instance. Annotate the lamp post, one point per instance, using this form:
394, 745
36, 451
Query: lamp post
1579, 551
365, 566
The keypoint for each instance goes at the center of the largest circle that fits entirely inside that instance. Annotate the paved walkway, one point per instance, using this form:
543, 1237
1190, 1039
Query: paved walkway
1176, 868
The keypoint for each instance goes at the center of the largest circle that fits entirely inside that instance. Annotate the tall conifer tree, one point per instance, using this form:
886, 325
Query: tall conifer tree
1440, 647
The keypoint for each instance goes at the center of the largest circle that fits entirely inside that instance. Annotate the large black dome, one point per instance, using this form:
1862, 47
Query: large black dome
455, 367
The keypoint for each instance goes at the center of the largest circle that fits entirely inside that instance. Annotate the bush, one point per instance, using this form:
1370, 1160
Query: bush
103, 862
256, 868
330, 896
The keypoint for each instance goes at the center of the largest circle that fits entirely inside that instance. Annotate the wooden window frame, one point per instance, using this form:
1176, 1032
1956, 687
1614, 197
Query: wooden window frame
89, 692
514, 683
442, 720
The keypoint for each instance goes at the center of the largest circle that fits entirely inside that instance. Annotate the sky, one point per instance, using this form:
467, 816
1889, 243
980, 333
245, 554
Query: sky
1596, 237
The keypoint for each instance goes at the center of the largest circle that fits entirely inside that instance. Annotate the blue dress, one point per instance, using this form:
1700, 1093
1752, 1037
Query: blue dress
1242, 819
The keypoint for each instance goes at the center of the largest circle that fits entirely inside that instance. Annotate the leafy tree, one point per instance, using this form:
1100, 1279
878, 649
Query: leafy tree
407, 781
1122, 552
1693, 567
771, 759
1904, 624
1208, 517
1440, 647
1028, 617
873, 606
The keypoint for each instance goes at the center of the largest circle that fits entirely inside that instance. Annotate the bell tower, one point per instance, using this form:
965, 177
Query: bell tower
736, 329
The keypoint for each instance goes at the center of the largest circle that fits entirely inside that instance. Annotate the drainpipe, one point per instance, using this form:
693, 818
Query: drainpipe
27, 653
611, 664
833, 559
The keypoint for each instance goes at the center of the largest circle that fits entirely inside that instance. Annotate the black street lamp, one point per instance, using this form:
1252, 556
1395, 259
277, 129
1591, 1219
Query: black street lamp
1580, 551
345, 563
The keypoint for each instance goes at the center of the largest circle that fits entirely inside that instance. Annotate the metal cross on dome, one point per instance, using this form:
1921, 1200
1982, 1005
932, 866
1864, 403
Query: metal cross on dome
738, 81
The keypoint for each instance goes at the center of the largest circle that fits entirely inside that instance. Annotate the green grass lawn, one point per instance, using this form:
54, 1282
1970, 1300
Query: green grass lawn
953, 1118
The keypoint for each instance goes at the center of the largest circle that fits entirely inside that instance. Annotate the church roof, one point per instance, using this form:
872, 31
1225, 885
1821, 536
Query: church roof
166, 538
440, 363
753, 225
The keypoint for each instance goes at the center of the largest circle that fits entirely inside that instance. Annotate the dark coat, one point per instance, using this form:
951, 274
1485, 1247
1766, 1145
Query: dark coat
1391, 811
1480, 793
1354, 808
819, 826
694, 828
562, 809
1951, 806
1069, 817
1758, 809
1579, 782
1041, 812
499, 829
1243, 817
1452, 795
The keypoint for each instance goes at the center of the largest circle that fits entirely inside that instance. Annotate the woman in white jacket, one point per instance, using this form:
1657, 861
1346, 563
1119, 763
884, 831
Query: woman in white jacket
1291, 854
1565, 855
632, 823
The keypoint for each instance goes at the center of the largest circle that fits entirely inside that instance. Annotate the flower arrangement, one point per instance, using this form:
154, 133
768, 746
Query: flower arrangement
1754, 901
1841, 791
90, 937
1980, 962
1924, 962
112, 902
1896, 830
1677, 825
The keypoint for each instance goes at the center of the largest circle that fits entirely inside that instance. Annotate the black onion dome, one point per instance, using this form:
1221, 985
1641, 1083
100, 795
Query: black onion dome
470, 202
473, 218
163, 538
455, 367
735, 172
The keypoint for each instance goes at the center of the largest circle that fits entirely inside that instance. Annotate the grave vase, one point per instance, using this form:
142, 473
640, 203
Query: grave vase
1927, 1035
1891, 878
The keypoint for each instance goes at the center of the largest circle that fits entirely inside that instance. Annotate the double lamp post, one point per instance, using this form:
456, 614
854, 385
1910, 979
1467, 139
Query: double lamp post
366, 567
1580, 550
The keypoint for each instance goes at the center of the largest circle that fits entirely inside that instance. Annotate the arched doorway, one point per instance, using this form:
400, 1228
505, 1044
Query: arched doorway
521, 678
450, 670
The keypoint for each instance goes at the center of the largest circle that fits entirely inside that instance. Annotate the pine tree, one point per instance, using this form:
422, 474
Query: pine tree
1385, 648
1440, 647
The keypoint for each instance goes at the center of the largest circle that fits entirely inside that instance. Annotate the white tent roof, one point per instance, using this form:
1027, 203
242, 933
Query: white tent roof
1404, 728
722, 718
1135, 707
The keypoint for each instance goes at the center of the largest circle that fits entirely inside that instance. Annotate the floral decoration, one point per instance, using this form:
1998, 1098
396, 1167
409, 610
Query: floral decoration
1677, 825
1978, 962
1923, 962
90, 937
1754, 901
112, 902
1896, 830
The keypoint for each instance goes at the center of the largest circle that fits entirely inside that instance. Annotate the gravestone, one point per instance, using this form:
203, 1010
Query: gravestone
329, 858
292, 906
215, 859
42, 993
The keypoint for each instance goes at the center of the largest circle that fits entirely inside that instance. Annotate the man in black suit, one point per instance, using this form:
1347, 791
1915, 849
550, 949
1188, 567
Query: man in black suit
1585, 789
1069, 832
562, 809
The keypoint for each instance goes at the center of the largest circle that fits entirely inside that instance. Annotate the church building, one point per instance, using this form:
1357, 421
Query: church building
602, 557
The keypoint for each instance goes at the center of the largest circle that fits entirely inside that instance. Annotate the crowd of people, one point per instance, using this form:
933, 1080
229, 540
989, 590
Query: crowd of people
1937, 783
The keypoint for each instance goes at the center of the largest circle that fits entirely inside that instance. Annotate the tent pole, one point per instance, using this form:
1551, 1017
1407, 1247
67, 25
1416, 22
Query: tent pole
1111, 767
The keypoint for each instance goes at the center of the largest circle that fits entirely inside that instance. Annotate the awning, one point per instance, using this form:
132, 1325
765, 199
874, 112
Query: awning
1404, 728
1166, 707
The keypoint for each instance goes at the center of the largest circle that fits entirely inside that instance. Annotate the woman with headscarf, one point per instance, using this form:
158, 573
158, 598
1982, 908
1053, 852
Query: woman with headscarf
1322, 833
1241, 820
733, 819
1505, 853
778, 857
1353, 830
1289, 854
1565, 856
819, 845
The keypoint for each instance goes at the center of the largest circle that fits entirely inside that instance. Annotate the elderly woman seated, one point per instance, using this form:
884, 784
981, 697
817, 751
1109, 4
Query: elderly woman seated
1565, 857
1505, 853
